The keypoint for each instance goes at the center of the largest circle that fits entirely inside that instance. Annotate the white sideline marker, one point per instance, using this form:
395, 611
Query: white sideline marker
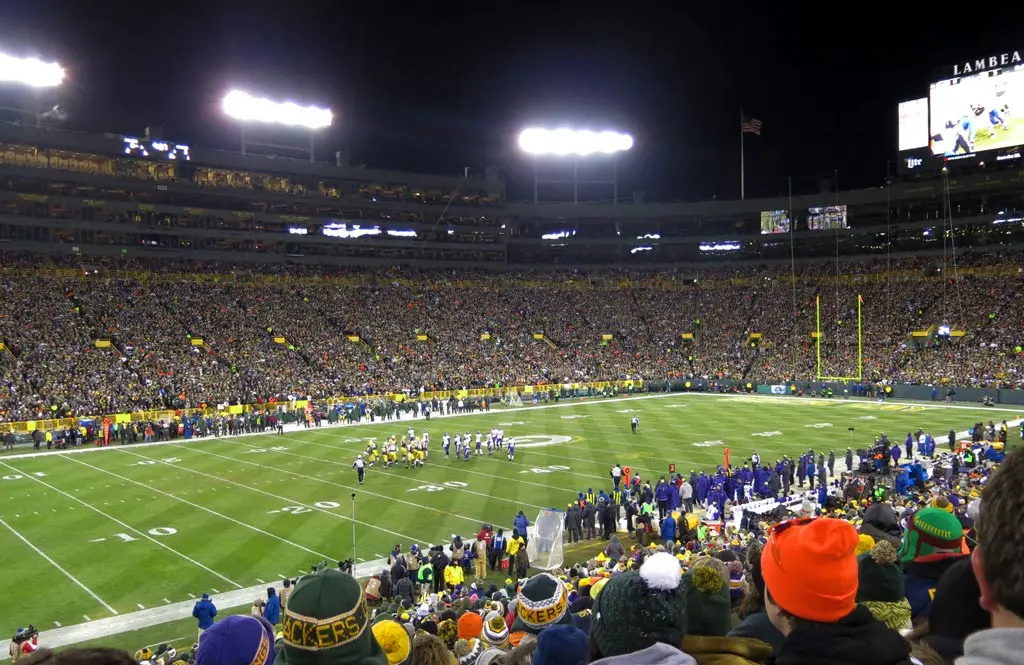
260, 581
59, 567
56, 623
139, 605
192, 596
214, 590
167, 601
86, 617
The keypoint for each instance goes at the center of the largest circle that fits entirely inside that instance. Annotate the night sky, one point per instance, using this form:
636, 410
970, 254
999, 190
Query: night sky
434, 90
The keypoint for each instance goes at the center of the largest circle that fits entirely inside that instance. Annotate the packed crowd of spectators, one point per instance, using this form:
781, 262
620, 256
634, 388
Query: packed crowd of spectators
332, 331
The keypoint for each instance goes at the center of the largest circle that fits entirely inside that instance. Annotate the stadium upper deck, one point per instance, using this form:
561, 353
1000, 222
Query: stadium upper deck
106, 195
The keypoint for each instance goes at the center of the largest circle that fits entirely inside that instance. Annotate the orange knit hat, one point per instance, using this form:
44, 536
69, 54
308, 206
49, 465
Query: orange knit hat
810, 568
471, 624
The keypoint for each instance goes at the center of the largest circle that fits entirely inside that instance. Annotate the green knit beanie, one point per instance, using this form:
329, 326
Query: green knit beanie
707, 603
639, 608
931, 531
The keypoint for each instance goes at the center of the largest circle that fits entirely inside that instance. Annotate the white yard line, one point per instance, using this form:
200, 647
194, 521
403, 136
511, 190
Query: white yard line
323, 460
203, 508
286, 500
128, 527
354, 488
60, 568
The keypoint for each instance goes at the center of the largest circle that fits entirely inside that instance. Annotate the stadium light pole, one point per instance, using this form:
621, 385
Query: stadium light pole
249, 109
575, 144
32, 72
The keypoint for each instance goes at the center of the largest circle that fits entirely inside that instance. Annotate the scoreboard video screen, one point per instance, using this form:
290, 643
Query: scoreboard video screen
775, 221
913, 124
826, 218
977, 112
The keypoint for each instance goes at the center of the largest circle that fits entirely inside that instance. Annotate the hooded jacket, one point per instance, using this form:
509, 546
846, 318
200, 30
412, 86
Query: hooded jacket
656, 654
856, 639
881, 524
995, 646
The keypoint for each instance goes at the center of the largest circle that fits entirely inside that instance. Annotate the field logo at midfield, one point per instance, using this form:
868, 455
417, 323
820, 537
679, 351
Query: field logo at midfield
576, 417
512, 423
772, 433
708, 444
890, 407
819, 425
539, 440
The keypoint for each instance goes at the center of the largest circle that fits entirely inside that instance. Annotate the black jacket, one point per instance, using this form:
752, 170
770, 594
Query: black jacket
856, 639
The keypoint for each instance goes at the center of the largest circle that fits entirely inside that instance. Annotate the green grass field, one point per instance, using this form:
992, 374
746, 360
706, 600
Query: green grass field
125, 529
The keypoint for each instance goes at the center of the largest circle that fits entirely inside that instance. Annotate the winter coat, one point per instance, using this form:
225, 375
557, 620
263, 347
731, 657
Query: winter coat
856, 639
204, 610
656, 654
726, 650
995, 646
272, 610
405, 589
921, 578
453, 575
760, 627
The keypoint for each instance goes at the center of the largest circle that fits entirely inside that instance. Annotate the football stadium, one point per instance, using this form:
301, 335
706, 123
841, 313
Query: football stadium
227, 379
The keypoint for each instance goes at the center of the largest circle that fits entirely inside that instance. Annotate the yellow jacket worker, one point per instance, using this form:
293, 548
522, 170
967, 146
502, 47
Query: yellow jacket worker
453, 575
514, 544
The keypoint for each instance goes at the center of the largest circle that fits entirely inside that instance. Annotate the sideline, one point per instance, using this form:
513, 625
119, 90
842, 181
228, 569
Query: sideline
125, 623
289, 429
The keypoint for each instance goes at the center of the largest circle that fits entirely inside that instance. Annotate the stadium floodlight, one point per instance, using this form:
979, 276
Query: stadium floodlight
566, 142
248, 108
32, 72
572, 146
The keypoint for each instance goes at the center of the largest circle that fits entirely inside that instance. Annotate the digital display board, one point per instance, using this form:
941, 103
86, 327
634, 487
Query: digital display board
775, 221
826, 218
977, 113
913, 124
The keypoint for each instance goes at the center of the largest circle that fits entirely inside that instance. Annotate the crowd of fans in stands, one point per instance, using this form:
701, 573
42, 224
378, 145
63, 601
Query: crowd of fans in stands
50, 321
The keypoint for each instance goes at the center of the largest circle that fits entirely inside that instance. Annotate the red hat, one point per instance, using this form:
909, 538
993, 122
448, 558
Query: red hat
810, 568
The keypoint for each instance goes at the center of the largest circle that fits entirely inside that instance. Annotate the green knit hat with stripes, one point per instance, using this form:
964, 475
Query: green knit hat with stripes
931, 531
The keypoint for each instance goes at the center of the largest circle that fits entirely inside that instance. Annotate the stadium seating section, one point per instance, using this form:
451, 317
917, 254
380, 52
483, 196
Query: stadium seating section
185, 333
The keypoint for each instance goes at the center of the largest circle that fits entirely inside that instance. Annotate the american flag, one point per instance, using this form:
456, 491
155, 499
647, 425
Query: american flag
749, 125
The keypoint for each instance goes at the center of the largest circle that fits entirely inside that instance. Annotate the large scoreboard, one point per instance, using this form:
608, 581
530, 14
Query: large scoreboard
972, 115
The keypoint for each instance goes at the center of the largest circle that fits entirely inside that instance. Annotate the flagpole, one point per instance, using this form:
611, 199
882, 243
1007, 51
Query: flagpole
742, 165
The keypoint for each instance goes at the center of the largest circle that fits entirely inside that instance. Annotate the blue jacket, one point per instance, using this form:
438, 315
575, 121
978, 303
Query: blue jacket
668, 529
272, 610
520, 523
204, 610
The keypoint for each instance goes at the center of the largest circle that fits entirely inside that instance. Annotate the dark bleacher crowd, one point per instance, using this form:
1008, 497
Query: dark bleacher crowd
294, 338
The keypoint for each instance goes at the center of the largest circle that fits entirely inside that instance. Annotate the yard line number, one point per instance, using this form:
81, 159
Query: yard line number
18, 476
299, 510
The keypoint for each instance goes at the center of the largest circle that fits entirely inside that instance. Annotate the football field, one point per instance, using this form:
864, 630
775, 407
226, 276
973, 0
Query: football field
97, 533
